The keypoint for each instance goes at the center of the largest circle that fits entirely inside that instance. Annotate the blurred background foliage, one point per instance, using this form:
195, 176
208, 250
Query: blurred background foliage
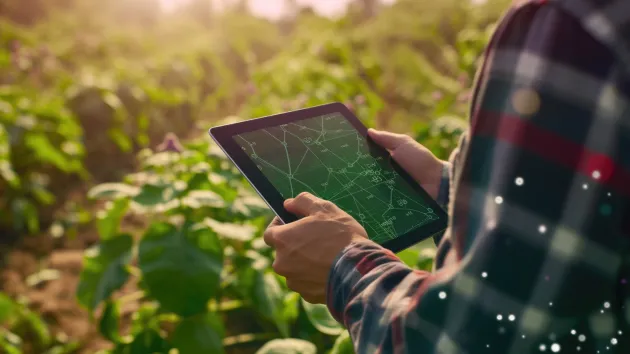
88, 89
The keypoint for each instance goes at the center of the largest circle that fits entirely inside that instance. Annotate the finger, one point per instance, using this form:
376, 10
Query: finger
305, 204
275, 222
270, 236
388, 140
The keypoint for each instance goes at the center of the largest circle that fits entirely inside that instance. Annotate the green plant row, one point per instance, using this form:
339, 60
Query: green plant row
200, 258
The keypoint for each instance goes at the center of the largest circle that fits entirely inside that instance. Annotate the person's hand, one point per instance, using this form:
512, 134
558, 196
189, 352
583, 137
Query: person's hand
307, 248
414, 158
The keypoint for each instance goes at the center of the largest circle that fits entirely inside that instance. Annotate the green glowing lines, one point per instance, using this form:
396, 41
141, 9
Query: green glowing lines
327, 157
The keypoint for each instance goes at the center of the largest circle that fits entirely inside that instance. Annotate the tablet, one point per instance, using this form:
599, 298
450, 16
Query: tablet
325, 150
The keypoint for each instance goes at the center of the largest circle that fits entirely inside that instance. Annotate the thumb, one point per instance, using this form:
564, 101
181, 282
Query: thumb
387, 140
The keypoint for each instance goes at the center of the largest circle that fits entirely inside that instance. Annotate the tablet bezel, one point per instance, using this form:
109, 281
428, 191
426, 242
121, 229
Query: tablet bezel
224, 136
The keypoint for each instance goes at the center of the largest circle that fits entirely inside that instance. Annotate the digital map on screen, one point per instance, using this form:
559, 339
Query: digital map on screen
327, 157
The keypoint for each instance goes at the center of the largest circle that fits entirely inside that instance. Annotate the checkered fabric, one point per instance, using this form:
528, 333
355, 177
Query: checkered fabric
537, 254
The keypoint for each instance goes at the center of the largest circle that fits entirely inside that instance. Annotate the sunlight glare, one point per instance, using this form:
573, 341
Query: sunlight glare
274, 9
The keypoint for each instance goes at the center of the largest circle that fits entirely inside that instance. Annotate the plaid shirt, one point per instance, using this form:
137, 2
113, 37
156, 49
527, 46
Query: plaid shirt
537, 254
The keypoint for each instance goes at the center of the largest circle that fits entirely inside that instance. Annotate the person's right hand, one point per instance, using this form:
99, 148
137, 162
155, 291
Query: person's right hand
414, 158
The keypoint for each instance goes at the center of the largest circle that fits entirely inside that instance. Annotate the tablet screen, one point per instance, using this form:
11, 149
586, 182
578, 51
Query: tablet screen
329, 158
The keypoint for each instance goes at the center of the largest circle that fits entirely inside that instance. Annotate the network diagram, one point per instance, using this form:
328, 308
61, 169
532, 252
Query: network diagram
327, 157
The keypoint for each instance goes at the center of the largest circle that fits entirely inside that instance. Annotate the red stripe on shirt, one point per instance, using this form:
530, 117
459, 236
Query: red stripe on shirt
520, 132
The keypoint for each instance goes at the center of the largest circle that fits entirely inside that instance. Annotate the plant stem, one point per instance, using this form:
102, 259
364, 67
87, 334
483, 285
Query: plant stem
225, 305
136, 295
247, 338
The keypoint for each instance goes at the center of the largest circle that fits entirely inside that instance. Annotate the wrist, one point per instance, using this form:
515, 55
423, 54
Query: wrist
436, 177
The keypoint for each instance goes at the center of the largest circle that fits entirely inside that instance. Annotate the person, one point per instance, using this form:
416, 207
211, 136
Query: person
536, 256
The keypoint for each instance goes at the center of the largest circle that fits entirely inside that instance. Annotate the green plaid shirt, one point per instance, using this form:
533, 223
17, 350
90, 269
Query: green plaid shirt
537, 254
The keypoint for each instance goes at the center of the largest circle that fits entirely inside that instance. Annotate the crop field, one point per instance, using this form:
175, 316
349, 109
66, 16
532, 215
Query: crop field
123, 228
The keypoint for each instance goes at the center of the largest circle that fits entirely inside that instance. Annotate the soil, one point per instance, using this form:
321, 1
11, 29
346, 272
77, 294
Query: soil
55, 300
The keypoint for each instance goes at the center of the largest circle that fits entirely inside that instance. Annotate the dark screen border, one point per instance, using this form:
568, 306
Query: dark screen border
224, 137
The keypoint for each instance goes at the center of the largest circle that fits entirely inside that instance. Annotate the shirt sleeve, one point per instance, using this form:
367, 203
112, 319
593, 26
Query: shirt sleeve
445, 186
536, 237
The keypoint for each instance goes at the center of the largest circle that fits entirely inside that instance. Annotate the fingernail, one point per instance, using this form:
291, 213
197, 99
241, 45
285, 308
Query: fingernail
288, 201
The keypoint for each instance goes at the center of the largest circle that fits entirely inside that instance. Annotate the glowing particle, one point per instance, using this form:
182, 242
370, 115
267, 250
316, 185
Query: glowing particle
609, 194
614, 341
581, 338
585, 186
523, 336
511, 317
542, 347
602, 311
551, 304
442, 295
620, 333
499, 317
578, 348
542, 229
487, 345
555, 347
573, 332
484, 275
596, 174
498, 200
519, 181
606, 304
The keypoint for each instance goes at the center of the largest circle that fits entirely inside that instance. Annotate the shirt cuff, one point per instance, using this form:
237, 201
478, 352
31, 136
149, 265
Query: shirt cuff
351, 265
443, 196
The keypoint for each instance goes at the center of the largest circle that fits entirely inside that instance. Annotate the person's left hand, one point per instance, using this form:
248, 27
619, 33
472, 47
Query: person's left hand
306, 249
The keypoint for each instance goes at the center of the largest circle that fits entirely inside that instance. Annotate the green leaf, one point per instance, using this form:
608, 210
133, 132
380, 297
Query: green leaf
231, 231
152, 195
288, 346
343, 344
121, 140
109, 323
8, 347
409, 256
25, 215
7, 307
46, 152
181, 267
199, 334
104, 270
321, 318
200, 199
6, 169
425, 259
291, 307
268, 299
145, 342
36, 326
113, 190
109, 223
